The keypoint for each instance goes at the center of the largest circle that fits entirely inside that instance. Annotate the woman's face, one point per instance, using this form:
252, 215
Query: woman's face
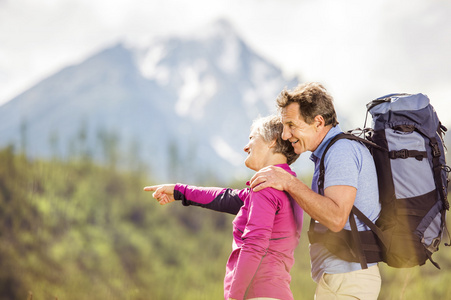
258, 150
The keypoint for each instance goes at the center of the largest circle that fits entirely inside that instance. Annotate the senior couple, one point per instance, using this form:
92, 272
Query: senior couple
268, 220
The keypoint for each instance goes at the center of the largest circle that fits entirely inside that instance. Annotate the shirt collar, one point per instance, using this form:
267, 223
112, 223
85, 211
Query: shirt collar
320, 149
286, 167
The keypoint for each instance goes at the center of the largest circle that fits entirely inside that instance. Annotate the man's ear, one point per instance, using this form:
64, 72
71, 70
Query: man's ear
319, 122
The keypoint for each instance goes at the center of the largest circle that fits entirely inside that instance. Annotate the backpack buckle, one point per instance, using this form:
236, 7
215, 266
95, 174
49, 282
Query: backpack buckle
435, 150
403, 153
433, 246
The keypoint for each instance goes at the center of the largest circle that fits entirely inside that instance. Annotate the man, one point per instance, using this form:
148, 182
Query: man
310, 121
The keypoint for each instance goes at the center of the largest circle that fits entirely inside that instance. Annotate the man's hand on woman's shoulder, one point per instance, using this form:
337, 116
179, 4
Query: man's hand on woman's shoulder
270, 176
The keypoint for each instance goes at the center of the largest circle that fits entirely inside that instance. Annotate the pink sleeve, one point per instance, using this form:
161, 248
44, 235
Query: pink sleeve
262, 211
201, 195
218, 199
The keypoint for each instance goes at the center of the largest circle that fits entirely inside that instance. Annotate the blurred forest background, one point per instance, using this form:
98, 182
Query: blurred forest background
101, 98
74, 229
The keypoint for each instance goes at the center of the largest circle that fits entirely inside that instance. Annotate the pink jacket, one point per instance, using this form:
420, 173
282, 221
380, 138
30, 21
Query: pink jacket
266, 231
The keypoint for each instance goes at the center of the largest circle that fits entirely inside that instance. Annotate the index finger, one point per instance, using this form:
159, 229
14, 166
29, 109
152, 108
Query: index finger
151, 188
256, 180
260, 186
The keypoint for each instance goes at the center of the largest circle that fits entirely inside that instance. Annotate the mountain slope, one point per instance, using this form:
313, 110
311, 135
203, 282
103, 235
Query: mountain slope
182, 105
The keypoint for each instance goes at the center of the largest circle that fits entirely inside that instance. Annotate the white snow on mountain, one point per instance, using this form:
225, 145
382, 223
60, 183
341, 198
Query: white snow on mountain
228, 60
148, 59
195, 91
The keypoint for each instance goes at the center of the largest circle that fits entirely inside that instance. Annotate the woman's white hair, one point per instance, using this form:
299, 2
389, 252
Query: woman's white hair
270, 128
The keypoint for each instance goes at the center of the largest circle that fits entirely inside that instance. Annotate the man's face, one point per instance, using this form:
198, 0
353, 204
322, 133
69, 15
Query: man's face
304, 137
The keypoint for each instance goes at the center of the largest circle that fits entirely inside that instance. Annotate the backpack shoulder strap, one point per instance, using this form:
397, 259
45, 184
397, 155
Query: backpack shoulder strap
355, 211
321, 163
340, 136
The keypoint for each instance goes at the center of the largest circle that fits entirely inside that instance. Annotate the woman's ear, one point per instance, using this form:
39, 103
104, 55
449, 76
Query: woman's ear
272, 144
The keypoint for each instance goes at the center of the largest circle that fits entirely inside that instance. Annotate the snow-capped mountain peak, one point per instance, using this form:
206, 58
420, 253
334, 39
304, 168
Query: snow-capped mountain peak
188, 102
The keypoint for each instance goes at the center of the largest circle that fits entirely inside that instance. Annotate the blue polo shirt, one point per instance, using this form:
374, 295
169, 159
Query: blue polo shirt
346, 163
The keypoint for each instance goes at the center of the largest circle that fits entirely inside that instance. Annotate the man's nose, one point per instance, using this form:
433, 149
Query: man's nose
286, 134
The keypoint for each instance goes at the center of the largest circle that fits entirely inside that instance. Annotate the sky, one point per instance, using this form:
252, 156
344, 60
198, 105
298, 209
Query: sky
358, 49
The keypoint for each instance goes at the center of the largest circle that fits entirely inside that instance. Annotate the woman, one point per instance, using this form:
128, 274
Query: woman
267, 225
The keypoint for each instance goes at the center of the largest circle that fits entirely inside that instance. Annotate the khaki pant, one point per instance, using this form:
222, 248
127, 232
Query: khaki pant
362, 284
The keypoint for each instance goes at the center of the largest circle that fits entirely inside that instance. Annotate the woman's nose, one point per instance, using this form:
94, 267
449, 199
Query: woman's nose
246, 148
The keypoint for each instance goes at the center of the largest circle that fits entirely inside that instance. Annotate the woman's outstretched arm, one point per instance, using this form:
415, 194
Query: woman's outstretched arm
214, 198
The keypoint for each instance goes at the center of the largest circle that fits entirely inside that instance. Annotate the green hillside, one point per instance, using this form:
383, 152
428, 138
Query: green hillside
76, 230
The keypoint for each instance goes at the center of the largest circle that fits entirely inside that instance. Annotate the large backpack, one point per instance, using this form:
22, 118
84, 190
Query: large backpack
406, 142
